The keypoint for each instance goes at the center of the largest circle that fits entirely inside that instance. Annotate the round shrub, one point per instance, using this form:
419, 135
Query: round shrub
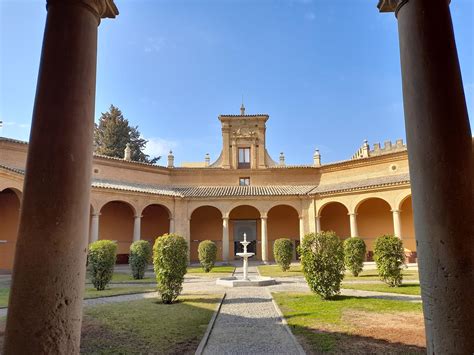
389, 257
283, 252
322, 259
140, 256
207, 251
170, 260
354, 255
100, 262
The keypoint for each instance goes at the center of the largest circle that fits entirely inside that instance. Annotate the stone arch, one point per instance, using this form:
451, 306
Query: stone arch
407, 226
10, 203
116, 223
245, 218
282, 222
194, 207
374, 219
205, 224
333, 216
155, 222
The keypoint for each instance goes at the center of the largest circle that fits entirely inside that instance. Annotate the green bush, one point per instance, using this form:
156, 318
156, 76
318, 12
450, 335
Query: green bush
322, 259
283, 252
389, 257
207, 251
354, 255
100, 262
140, 256
170, 260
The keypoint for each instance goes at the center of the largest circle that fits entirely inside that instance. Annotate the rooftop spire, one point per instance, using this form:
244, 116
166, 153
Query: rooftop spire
242, 107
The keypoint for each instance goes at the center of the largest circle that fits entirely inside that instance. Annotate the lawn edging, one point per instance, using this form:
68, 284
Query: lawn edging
210, 326
285, 325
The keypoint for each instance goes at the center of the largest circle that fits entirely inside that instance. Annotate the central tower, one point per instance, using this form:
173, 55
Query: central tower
243, 141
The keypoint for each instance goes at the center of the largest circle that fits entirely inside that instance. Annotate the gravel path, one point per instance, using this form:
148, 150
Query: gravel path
248, 323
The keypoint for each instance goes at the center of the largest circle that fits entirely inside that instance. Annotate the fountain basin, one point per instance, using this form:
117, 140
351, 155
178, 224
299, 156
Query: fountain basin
233, 281
245, 255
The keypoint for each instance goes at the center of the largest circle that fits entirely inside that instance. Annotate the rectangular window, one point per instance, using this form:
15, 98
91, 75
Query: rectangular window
245, 181
244, 158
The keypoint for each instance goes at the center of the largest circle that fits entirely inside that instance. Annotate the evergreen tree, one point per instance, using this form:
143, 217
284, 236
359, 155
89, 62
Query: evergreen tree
113, 133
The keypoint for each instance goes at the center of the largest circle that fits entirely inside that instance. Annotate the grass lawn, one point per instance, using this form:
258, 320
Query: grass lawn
4, 292
147, 326
406, 289
353, 324
216, 270
295, 270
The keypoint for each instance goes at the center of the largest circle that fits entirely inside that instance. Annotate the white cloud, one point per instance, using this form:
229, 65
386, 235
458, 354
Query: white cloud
154, 44
159, 146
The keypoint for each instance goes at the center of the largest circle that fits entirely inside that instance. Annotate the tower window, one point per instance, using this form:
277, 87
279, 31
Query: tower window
244, 158
244, 181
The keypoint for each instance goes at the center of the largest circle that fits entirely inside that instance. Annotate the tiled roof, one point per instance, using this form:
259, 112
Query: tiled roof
12, 140
362, 184
244, 191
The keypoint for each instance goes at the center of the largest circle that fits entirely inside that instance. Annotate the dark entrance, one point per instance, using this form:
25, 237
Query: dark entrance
249, 227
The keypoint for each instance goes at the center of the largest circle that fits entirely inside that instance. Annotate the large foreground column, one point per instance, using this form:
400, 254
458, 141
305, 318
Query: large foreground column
45, 309
439, 141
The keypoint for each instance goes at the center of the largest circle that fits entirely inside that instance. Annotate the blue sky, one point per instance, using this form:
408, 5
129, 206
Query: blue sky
327, 72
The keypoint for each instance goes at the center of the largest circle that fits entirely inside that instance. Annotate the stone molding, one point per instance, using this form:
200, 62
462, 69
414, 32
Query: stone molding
100, 8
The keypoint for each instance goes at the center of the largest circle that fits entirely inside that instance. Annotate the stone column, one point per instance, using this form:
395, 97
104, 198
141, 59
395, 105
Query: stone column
264, 236
353, 222
171, 225
45, 309
188, 236
94, 232
397, 226
225, 238
137, 228
318, 224
440, 162
301, 228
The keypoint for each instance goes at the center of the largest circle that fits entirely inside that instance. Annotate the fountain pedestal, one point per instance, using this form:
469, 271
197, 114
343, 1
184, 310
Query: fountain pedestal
245, 280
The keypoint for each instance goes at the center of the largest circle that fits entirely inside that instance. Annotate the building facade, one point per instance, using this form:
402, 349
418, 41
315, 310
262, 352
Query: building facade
243, 191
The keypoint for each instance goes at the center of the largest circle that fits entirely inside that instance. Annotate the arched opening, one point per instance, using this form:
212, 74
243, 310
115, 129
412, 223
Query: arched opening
245, 219
205, 224
408, 229
155, 222
9, 221
374, 219
116, 223
334, 217
283, 222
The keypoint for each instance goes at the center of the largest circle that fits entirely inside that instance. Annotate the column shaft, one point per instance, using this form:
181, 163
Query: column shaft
94, 232
171, 225
318, 224
353, 223
301, 229
264, 237
397, 226
440, 161
137, 228
225, 238
45, 309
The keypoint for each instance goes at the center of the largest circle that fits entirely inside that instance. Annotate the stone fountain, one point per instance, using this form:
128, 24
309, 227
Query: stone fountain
258, 280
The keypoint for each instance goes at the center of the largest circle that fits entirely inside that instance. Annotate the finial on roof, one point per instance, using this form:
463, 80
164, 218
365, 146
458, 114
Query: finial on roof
282, 159
242, 107
207, 160
128, 152
317, 158
171, 160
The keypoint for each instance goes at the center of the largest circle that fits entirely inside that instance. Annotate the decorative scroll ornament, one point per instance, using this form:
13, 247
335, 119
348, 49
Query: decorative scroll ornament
244, 133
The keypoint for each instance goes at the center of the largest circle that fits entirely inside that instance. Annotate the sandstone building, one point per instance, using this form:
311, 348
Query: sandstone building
243, 191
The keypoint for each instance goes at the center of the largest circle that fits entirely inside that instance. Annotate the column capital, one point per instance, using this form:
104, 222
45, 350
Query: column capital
263, 216
137, 216
95, 214
352, 214
395, 211
225, 216
100, 8
394, 5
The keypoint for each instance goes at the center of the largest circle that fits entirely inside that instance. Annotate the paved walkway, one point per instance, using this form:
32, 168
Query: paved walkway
248, 323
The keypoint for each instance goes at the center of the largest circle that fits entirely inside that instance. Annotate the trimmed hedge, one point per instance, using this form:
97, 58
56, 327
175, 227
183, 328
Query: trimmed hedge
283, 252
207, 251
100, 262
322, 259
170, 261
389, 257
354, 255
140, 256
